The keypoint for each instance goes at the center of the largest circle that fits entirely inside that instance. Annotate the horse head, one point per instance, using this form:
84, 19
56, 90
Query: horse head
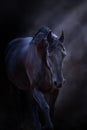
55, 55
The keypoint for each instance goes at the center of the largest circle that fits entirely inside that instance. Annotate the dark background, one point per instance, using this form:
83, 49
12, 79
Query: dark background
23, 18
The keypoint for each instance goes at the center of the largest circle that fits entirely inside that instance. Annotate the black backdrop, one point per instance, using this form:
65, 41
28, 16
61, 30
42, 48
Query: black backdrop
23, 18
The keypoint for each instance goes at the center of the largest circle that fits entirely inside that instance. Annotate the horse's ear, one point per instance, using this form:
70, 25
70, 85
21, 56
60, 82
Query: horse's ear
61, 39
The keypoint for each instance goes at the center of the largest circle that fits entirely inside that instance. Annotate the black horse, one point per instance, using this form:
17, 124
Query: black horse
35, 65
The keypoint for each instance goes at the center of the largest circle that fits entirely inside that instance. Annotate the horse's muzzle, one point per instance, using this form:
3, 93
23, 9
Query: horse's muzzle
59, 85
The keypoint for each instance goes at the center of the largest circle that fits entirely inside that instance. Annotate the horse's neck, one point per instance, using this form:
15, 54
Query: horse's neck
33, 63
32, 56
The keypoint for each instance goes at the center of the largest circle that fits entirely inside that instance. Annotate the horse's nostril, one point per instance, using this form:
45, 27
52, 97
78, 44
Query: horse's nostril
58, 85
55, 83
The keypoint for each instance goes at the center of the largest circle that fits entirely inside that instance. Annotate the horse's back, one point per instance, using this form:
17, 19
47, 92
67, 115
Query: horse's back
17, 44
15, 61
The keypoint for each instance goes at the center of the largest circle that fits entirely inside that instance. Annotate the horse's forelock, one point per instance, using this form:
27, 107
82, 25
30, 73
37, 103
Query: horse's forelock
55, 42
